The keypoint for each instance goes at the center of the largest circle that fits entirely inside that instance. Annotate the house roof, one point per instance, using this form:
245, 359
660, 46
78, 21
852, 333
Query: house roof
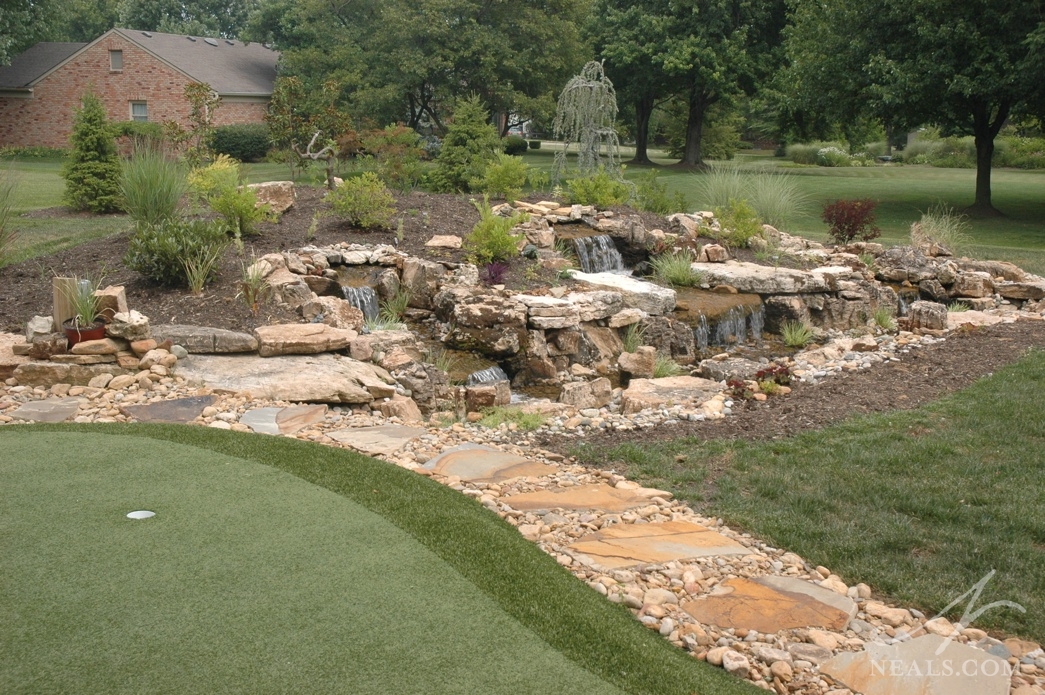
27, 67
229, 67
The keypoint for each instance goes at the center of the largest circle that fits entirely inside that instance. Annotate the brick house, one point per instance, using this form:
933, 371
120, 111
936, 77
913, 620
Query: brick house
138, 75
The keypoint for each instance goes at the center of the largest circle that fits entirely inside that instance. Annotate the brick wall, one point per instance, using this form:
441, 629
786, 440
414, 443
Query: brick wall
46, 118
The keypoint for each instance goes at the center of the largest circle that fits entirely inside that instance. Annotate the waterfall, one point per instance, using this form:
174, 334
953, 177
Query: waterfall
702, 333
905, 299
756, 323
364, 299
737, 325
597, 254
486, 376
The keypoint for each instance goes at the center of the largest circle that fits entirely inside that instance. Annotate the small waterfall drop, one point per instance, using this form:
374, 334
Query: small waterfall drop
486, 376
702, 333
738, 325
732, 327
597, 254
756, 323
364, 299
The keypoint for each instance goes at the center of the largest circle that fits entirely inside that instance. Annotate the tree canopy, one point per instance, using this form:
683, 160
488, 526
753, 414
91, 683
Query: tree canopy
964, 65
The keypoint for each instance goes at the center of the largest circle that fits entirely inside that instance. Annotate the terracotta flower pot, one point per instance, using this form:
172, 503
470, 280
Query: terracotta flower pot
78, 334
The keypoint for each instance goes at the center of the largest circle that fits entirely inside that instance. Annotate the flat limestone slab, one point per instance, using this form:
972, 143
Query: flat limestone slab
637, 294
760, 279
482, 464
626, 545
308, 378
915, 668
600, 496
383, 439
50, 410
783, 603
283, 420
179, 410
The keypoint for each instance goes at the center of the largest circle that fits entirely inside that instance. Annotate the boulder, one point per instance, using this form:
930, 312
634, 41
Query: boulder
927, 315
713, 253
45, 346
593, 306
971, 283
38, 326
670, 337
487, 395
732, 368
426, 384
323, 286
996, 269
401, 407
444, 242
288, 287
421, 279
1032, 290
48, 374
105, 346
548, 312
129, 325
333, 311
904, 263
626, 317
639, 364
112, 300
760, 279
587, 394
301, 339
636, 294
206, 340
278, 195
654, 393
363, 347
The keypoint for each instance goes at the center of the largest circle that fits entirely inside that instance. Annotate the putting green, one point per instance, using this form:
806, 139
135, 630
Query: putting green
248, 579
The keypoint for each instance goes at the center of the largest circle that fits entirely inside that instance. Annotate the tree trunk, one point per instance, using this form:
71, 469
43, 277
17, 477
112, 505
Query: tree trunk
888, 141
985, 129
698, 106
643, 112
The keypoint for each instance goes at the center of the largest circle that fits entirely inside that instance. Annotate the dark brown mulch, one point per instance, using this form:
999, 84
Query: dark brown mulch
27, 285
922, 375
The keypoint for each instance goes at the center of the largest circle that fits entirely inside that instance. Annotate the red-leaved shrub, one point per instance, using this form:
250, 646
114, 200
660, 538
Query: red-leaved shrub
851, 219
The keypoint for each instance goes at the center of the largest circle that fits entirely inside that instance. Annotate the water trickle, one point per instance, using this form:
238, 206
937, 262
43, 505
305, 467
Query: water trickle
756, 323
597, 254
738, 325
486, 376
364, 299
702, 333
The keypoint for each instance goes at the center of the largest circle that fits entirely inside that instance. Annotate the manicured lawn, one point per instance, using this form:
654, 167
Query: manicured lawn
274, 565
920, 505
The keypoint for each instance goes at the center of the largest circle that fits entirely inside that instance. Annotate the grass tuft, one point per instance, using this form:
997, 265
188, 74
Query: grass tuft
676, 268
796, 333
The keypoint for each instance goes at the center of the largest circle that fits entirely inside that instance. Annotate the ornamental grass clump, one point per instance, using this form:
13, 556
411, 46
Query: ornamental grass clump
152, 185
676, 268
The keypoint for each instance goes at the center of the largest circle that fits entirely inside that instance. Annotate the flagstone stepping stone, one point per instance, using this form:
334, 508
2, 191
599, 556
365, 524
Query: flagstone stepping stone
383, 439
772, 604
178, 410
50, 410
283, 420
601, 497
626, 545
915, 668
482, 464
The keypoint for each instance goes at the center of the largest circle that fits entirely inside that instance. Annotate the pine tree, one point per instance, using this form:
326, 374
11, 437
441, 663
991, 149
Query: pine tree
471, 143
92, 174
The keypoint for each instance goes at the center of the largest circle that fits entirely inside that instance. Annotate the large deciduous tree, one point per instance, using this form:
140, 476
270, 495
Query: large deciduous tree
965, 65
202, 17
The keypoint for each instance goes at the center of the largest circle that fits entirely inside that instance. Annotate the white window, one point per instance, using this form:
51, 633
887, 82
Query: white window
116, 60
139, 111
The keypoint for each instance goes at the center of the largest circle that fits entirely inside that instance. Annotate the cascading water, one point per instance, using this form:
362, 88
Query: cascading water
597, 254
738, 325
486, 376
364, 299
702, 333
732, 327
756, 323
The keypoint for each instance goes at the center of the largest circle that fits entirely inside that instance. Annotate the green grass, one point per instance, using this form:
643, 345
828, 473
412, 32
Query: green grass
920, 505
275, 565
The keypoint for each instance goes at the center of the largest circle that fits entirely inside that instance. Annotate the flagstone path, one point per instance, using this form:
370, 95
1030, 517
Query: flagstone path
759, 612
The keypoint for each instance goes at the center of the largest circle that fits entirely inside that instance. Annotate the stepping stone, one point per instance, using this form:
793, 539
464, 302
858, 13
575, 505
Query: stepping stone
283, 420
383, 439
915, 668
179, 410
602, 497
482, 464
772, 604
50, 410
626, 545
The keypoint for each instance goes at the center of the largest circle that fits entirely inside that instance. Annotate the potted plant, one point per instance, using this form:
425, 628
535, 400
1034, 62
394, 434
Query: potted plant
85, 323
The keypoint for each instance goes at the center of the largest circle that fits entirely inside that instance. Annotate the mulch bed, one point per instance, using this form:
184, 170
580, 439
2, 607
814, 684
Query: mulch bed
923, 375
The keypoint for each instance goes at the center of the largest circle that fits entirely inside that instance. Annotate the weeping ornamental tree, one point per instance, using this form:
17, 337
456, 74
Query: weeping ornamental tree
586, 113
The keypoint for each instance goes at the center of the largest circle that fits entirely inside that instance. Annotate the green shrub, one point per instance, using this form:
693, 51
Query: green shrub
599, 189
247, 142
92, 173
470, 144
652, 195
676, 268
942, 226
515, 145
397, 154
364, 202
808, 153
159, 252
1022, 153
738, 223
152, 185
34, 152
491, 239
535, 144
503, 178
219, 184
833, 157
140, 133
